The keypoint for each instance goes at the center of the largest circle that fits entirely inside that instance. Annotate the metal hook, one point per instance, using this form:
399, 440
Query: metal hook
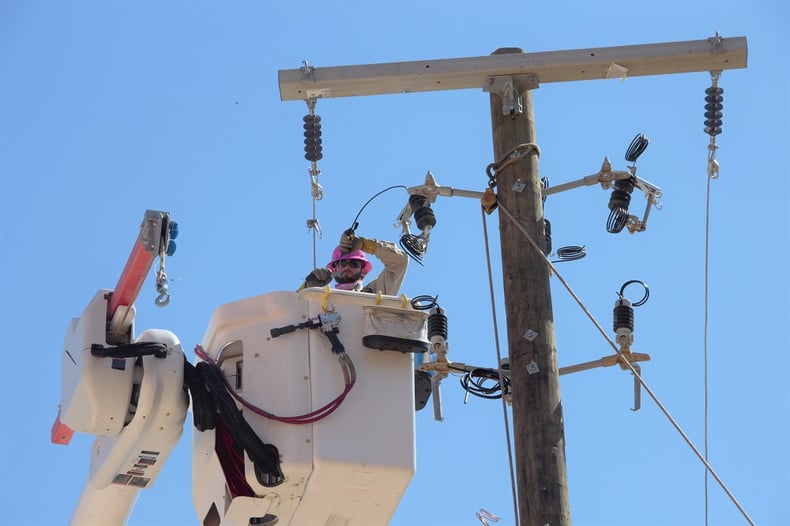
163, 299
161, 286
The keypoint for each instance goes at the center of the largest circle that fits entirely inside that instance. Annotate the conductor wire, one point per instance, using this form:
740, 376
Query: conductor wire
622, 359
713, 173
705, 336
354, 222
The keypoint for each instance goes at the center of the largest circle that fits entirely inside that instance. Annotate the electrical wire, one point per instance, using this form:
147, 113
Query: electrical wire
570, 253
265, 457
354, 222
231, 460
622, 359
476, 382
712, 112
705, 339
349, 376
636, 148
424, 302
645, 296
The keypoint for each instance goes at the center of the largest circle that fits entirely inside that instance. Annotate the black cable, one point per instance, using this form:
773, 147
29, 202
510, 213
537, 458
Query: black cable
570, 253
474, 382
354, 223
424, 302
204, 411
644, 286
265, 457
637, 146
413, 246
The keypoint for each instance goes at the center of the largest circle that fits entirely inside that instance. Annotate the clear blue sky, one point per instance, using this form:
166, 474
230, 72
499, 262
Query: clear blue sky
111, 108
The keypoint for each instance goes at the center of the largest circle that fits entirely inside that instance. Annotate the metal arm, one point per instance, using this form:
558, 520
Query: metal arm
605, 177
155, 240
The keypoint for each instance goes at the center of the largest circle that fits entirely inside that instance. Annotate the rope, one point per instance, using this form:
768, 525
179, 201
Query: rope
501, 380
623, 360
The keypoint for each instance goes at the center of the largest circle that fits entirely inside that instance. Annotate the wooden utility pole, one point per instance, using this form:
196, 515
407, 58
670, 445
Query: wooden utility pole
508, 75
538, 429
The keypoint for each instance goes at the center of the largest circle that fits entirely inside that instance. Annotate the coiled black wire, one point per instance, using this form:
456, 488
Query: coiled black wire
413, 247
570, 253
637, 146
424, 302
644, 286
477, 383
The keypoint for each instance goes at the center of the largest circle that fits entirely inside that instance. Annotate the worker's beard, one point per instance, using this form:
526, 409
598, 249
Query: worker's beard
348, 286
349, 279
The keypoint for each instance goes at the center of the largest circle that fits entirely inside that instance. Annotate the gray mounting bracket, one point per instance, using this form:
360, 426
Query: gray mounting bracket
509, 88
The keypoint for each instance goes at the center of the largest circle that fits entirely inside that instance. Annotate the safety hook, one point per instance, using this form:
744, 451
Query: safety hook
161, 287
163, 299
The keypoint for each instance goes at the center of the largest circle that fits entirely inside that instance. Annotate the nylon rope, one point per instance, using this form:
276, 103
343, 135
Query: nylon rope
630, 366
499, 368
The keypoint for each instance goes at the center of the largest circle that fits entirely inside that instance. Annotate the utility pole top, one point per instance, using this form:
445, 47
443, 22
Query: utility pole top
711, 54
510, 75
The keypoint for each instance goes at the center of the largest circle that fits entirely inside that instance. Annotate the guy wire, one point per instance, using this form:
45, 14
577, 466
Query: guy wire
499, 369
630, 366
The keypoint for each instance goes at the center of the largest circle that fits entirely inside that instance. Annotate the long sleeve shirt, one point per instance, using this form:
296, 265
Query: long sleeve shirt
389, 280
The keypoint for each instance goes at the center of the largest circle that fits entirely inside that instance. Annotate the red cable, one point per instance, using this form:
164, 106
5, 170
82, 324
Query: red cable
348, 374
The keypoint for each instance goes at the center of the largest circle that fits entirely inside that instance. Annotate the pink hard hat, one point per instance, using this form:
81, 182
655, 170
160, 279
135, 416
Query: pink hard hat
337, 255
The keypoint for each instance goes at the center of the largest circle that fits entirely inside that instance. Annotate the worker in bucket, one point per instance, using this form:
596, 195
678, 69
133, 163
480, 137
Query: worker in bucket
350, 265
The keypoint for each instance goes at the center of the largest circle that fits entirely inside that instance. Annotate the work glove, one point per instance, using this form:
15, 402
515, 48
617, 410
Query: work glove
318, 278
350, 242
368, 245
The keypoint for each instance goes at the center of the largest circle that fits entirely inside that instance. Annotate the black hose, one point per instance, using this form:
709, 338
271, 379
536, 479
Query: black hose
265, 457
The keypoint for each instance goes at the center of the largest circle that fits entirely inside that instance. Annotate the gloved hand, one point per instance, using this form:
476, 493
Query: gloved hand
318, 278
368, 245
346, 241
350, 241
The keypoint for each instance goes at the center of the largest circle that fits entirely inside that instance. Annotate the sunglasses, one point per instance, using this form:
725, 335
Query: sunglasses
353, 263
